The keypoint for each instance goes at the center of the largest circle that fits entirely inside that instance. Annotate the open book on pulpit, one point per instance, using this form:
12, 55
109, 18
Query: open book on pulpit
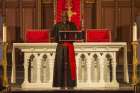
71, 36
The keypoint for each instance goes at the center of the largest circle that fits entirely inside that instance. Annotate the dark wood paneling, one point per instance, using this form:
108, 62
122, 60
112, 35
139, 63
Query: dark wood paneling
107, 3
11, 0
1, 27
90, 15
108, 16
28, 16
125, 24
28, 3
11, 23
0, 3
27, 20
47, 16
12, 4
112, 14
124, 3
137, 3
117, 16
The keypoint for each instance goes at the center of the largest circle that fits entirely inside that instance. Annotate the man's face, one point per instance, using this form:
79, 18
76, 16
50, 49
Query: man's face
64, 17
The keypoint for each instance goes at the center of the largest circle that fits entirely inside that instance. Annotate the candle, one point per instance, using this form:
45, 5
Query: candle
4, 33
135, 32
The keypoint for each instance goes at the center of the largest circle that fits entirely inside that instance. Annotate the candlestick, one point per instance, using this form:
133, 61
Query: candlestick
4, 33
135, 32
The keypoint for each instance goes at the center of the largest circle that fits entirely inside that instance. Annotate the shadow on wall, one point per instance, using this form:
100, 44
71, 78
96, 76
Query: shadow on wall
18, 37
138, 25
0, 55
0, 67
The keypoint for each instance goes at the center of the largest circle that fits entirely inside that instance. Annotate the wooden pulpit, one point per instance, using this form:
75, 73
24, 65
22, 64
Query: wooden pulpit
71, 36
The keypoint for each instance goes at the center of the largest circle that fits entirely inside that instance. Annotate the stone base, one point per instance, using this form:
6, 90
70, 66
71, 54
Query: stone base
97, 85
36, 86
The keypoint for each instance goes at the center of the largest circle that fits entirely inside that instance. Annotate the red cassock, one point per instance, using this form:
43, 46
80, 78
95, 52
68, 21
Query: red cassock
71, 56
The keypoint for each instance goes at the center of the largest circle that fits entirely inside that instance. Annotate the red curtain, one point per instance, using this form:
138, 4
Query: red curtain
62, 5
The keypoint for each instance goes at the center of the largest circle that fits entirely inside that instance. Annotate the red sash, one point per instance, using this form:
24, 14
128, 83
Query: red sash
71, 59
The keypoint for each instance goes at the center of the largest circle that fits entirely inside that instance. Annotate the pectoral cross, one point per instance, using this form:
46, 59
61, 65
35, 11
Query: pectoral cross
70, 12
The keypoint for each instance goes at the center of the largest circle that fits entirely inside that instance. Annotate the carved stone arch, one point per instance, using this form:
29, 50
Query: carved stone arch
45, 68
82, 67
95, 56
32, 68
94, 68
108, 56
78, 55
107, 67
44, 57
31, 57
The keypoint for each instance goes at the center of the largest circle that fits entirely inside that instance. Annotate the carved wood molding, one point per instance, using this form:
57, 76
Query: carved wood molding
90, 1
47, 1
11, 4
28, 4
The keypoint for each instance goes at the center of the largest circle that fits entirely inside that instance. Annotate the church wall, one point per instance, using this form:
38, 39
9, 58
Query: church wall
89, 14
47, 15
117, 15
112, 14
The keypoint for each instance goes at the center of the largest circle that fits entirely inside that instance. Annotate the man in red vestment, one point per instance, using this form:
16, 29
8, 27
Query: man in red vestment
64, 66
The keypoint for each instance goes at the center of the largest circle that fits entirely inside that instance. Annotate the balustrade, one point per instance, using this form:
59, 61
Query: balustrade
95, 64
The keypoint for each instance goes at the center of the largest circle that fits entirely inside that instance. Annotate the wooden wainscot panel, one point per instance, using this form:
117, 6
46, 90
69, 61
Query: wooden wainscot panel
125, 19
29, 3
108, 17
137, 3
47, 15
89, 14
27, 19
47, 1
11, 23
0, 3
90, 1
11, 4
108, 3
126, 3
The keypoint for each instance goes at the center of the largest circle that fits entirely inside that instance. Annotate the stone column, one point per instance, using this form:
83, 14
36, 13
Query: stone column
38, 79
101, 62
114, 68
26, 64
88, 69
51, 59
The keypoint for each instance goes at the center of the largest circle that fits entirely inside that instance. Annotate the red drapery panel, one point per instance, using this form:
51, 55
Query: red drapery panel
98, 35
37, 36
75, 7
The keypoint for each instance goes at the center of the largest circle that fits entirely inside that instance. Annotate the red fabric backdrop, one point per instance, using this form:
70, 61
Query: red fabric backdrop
62, 5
